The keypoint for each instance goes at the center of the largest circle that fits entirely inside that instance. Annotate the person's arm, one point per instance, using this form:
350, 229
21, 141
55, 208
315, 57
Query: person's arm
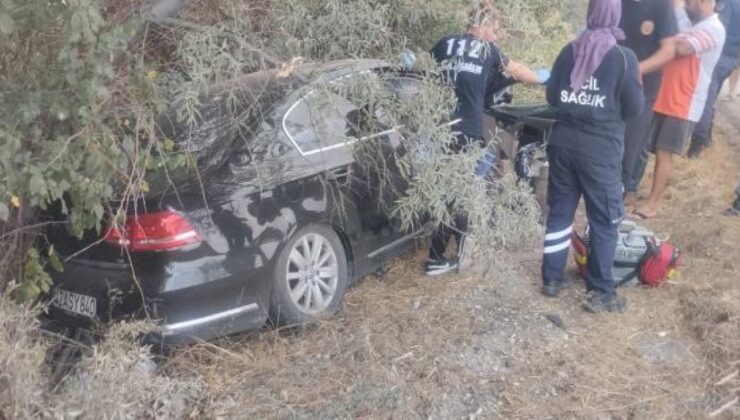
684, 47
698, 42
666, 27
660, 58
632, 95
522, 73
435, 51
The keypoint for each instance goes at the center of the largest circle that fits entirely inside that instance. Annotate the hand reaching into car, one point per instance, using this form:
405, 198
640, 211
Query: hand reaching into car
523, 73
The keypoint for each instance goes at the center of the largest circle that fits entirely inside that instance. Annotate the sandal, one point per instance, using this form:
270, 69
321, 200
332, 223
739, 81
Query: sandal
640, 215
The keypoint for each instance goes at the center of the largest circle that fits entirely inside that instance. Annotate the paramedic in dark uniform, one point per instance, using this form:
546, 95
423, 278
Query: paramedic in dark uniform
477, 67
595, 86
649, 26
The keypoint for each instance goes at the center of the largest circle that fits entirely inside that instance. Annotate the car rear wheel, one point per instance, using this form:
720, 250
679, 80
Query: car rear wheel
311, 276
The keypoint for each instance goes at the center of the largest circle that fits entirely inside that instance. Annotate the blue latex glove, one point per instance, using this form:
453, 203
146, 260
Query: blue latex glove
544, 75
408, 60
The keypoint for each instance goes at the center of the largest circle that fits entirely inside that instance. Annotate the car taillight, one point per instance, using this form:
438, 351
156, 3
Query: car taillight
160, 231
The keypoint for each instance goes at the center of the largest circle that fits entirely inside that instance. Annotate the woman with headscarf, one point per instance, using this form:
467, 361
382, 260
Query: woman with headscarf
595, 86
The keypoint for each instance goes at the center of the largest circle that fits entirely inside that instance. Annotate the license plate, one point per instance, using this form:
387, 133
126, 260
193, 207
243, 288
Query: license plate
74, 302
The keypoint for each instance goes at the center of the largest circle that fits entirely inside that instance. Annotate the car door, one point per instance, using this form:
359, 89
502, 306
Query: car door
378, 183
329, 129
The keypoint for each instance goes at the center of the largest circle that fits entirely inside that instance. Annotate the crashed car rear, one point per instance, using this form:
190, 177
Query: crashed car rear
279, 220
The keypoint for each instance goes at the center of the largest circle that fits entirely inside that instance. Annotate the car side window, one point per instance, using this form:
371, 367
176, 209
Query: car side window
404, 87
319, 121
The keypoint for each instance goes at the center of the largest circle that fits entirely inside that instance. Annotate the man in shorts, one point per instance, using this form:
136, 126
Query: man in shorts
683, 94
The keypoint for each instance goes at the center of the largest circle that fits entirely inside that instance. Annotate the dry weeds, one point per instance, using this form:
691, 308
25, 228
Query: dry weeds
115, 381
21, 360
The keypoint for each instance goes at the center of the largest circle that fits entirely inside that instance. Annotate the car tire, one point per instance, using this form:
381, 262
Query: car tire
310, 277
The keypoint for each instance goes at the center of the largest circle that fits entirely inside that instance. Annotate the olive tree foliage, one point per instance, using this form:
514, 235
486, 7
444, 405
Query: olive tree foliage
439, 185
77, 121
84, 82
413, 171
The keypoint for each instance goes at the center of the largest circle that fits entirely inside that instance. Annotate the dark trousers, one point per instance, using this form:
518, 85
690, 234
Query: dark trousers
636, 147
572, 176
442, 233
702, 135
441, 236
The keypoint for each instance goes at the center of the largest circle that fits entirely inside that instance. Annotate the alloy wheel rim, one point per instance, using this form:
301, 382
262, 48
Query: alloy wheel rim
312, 273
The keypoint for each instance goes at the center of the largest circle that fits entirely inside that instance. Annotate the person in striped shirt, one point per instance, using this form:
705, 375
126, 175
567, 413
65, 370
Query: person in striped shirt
683, 94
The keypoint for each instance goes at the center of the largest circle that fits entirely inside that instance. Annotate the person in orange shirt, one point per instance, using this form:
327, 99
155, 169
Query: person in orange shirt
683, 94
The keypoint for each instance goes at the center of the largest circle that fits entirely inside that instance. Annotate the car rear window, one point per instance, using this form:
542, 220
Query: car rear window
326, 120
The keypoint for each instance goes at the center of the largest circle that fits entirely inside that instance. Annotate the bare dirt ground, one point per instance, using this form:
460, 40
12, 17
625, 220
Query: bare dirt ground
486, 346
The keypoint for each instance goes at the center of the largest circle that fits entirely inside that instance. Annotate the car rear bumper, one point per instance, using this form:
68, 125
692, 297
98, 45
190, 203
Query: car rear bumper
165, 335
207, 303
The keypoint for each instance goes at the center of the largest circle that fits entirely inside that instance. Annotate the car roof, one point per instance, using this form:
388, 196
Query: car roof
295, 75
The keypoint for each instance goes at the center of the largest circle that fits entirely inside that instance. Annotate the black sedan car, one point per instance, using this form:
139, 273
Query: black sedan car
280, 221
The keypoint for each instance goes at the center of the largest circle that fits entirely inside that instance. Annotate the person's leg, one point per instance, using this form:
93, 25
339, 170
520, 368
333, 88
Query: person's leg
563, 194
602, 192
663, 170
440, 238
437, 263
701, 138
636, 135
639, 172
483, 169
669, 136
733, 82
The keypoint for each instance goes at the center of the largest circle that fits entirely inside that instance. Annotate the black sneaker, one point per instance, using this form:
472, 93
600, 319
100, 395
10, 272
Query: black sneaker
436, 267
598, 302
552, 289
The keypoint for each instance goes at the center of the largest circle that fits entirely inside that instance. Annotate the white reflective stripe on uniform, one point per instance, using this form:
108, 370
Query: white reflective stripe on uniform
557, 248
557, 235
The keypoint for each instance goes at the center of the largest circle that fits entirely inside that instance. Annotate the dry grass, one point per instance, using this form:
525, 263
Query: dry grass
117, 380
22, 382
112, 382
